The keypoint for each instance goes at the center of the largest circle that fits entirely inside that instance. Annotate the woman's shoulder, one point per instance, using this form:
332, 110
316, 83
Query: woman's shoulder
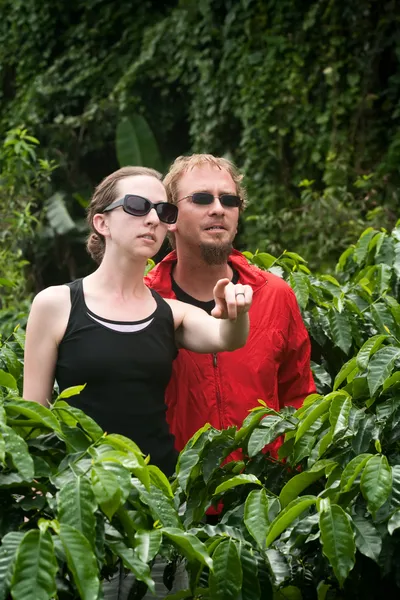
52, 298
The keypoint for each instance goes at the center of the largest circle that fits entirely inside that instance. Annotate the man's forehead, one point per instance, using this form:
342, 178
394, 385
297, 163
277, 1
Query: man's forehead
206, 174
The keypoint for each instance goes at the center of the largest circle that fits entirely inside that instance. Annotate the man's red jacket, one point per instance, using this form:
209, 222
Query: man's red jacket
274, 365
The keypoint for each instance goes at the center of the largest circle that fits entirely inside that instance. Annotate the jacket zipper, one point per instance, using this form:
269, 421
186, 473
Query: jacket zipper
218, 391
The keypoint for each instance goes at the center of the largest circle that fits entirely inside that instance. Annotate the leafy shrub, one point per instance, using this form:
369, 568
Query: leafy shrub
320, 522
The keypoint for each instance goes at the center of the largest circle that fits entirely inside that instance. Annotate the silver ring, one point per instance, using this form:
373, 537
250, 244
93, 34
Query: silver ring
240, 294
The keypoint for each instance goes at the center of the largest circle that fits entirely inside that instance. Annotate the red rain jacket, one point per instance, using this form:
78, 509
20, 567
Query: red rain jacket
274, 365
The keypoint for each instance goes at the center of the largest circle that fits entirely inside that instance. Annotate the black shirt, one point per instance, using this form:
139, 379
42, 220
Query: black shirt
126, 367
184, 297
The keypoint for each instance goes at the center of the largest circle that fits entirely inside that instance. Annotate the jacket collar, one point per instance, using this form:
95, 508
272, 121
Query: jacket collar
160, 276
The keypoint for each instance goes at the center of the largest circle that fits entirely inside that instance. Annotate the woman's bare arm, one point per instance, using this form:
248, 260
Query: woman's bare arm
46, 325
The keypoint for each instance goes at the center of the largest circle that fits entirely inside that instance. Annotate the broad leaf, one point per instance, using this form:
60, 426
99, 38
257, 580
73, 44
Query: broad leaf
57, 213
131, 561
18, 451
256, 515
106, 489
297, 484
81, 561
225, 581
340, 330
76, 507
35, 568
352, 471
347, 368
337, 539
250, 585
299, 283
368, 539
33, 411
189, 545
147, 544
8, 555
287, 516
376, 482
235, 481
394, 522
339, 413
381, 366
8, 381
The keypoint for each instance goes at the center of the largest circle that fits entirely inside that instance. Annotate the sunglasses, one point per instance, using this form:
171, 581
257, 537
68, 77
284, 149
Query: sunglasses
204, 198
139, 207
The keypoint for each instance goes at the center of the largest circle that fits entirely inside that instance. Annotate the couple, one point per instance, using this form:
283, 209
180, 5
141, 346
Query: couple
121, 334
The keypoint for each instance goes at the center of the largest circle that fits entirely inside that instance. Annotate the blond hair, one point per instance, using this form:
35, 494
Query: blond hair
104, 194
183, 164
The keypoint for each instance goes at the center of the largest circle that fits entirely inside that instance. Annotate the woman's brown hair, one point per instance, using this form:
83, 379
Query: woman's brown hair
104, 194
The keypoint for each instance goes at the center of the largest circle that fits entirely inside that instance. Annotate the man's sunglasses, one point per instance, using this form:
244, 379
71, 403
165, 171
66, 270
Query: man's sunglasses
139, 207
227, 200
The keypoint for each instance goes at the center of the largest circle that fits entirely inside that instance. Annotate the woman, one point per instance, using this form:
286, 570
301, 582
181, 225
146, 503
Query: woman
110, 331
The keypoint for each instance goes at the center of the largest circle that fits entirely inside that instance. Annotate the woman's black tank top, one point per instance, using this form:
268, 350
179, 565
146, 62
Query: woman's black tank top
126, 367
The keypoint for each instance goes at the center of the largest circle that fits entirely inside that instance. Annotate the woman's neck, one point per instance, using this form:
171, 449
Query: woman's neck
122, 276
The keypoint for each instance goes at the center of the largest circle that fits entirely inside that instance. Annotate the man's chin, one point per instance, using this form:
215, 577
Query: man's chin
215, 254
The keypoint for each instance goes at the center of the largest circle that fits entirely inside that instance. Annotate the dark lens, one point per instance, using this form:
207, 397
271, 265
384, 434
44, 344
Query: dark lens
202, 198
137, 206
230, 200
167, 213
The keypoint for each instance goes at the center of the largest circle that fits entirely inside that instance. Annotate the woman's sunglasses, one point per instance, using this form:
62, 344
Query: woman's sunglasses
139, 207
227, 200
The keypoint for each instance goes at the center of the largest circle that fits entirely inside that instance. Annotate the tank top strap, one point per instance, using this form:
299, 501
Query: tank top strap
77, 298
162, 306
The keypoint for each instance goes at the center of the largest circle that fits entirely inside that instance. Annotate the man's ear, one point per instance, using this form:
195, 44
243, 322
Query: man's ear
100, 224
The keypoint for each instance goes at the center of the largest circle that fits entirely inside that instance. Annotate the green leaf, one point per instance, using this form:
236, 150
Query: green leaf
287, 516
8, 381
106, 489
14, 365
235, 481
136, 144
256, 515
68, 392
340, 330
18, 451
35, 567
131, 561
76, 507
376, 482
81, 561
337, 539
352, 471
339, 414
161, 506
394, 522
366, 434
147, 544
160, 480
347, 368
368, 349
58, 215
278, 566
381, 366
250, 585
368, 539
8, 555
189, 545
88, 424
362, 246
320, 407
382, 317
33, 411
289, 592
297, 484
225, 581
300, 284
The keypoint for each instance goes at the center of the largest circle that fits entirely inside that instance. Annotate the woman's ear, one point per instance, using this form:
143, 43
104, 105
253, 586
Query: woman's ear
100, 224
172, 227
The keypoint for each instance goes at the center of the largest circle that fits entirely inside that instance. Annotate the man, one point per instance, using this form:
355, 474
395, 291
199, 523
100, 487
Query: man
274, 365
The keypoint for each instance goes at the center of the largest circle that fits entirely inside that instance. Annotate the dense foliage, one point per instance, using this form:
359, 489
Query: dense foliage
304, 97
321, 522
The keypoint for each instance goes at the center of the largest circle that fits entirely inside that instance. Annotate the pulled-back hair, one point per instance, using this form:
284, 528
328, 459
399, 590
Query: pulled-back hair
183, 164
104, 194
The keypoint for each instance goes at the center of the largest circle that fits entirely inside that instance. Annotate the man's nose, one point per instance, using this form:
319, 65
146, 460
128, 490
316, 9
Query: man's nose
216, 207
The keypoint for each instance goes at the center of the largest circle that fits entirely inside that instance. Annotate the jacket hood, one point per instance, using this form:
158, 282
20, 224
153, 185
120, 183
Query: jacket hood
160, 276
